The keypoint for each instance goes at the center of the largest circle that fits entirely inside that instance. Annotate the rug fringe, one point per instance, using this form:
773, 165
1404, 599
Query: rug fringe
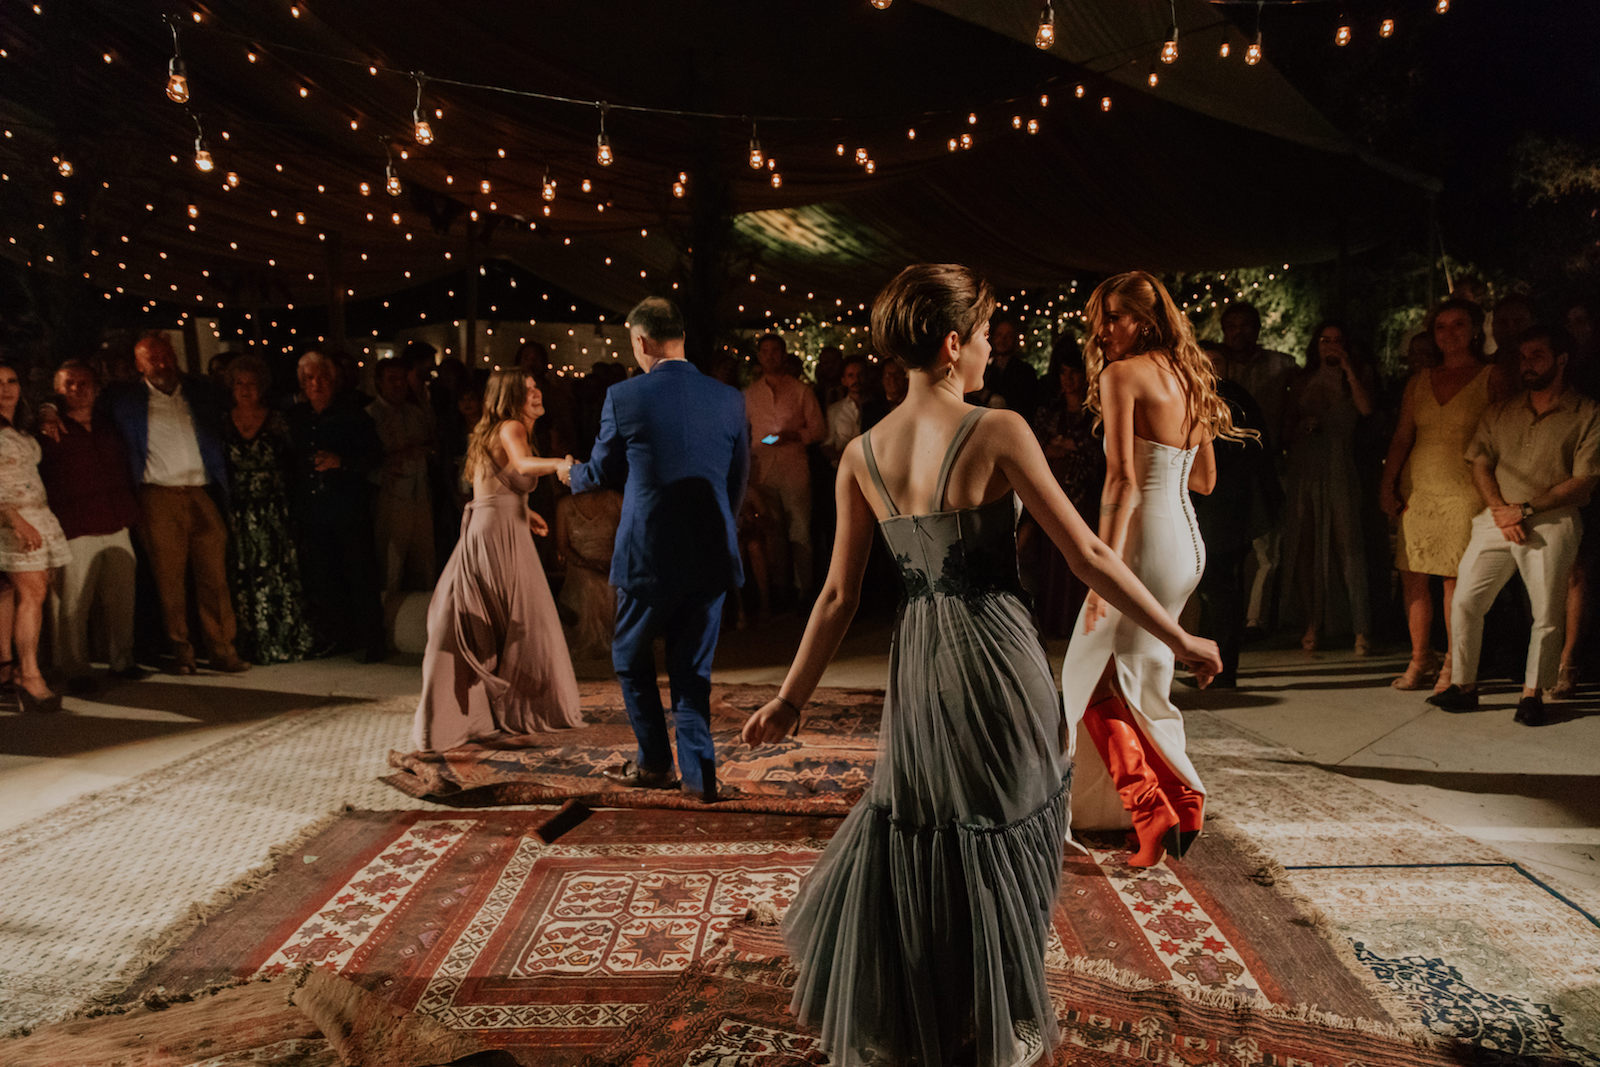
104, 1001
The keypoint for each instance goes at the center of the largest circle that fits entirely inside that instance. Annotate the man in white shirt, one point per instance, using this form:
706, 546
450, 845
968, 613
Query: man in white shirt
172, 426
403, 516
844, 414
784, 418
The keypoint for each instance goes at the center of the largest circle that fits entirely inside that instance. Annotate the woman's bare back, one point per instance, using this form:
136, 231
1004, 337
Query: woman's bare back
909, 446
1160, 409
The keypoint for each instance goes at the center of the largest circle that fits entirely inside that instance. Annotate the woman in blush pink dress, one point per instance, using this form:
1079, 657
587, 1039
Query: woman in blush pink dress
497, 665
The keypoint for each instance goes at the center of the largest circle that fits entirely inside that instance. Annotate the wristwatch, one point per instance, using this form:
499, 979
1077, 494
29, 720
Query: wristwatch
1527, 510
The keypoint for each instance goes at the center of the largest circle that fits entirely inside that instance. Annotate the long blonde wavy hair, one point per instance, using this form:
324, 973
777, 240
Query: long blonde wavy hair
503, 399
1165, 332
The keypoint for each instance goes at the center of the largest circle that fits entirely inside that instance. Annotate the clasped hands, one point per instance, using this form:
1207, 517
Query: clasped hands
564, 471
1508, 517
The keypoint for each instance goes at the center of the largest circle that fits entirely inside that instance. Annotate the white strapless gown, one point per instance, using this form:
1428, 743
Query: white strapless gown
1165, 550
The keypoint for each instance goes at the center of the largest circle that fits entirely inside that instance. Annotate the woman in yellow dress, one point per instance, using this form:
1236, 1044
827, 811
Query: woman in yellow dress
1427, 482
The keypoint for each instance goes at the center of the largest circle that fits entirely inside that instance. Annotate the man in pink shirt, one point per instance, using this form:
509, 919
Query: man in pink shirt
784, 418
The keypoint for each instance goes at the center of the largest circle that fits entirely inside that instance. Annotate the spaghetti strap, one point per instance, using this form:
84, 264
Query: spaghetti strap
963, 431
872, 472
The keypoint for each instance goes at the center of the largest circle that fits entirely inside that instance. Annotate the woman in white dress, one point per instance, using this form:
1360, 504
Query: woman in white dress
1155, 394
31, 543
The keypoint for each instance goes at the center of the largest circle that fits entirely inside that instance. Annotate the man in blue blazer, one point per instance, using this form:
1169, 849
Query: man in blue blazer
676, 443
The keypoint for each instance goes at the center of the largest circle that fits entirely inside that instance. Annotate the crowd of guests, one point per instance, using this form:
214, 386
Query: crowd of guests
261, 520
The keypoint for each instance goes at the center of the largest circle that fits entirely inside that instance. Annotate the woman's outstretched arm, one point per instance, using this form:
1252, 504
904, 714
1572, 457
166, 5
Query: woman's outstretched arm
834, 610
519, 453
1096, 565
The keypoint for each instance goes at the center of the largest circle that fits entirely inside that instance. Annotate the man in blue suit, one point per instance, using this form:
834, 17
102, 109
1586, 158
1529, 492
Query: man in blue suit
676, 443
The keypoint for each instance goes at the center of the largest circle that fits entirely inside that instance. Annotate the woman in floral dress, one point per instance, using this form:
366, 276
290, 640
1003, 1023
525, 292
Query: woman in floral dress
266, 569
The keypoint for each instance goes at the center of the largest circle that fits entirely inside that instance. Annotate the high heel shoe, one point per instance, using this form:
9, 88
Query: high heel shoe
1442, 682
1414, 676
33, 705
1117, 741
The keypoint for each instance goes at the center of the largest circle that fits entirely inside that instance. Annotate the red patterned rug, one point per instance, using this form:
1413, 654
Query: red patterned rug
732, 1009
554, 952
823, 773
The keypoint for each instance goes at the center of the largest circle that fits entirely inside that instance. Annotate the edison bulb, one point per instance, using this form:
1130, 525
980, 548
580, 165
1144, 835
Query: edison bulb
549, 191
421, 130
1169, 51
177, 82
1342, 36
756, 158
391, 184
679, 189
1386, 28
1105, 103
777, 180
861, 156
1153, 79
203, 161
602, 151
1033, 125
1252, 55
1442, 6
882, 5
1226, 50
232, 179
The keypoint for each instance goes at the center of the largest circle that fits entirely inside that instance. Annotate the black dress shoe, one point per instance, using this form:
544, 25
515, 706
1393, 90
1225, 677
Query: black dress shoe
1454, 698
632, 775
1530, 711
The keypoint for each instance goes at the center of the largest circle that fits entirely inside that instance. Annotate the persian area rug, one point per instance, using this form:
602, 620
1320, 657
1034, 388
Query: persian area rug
548, 951
824, 772
732, 1009
554, 952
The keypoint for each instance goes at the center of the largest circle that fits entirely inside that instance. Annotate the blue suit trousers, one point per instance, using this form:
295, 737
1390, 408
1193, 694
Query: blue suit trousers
690, 626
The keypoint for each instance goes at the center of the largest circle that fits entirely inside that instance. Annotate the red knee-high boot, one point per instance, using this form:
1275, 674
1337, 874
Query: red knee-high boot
1189, 803
1117, 740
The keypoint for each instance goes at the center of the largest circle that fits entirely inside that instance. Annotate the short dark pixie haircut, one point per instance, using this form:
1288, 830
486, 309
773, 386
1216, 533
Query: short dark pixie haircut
925, 303
657, 318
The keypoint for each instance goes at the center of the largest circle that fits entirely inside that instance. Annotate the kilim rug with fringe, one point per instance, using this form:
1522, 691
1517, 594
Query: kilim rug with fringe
822, 773
555, 951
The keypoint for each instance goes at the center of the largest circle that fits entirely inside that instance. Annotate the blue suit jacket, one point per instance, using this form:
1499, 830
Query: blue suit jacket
677, 445
129, 406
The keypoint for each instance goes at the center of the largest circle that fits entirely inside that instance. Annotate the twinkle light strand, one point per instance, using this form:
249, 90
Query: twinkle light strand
177, 76
1045, 37
1169, 50
421, 129
602, 150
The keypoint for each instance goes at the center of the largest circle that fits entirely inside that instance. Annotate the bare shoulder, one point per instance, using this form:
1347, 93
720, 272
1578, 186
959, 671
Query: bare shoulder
1003, 424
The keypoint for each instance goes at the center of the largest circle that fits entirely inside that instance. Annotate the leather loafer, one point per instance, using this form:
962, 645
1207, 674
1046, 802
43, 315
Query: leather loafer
1530, 711
1454, 698
633, 776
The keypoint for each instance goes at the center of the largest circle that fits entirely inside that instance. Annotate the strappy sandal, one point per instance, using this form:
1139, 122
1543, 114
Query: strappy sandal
1416, 672
1442, 682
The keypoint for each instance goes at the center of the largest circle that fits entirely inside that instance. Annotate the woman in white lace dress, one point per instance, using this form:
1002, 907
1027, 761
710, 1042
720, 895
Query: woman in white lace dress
31, 544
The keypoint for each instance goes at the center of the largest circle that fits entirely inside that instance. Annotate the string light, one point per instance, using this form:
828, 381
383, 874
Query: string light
391, 180
777, 179
1078, 91
1442, 7
882, 5
586, 185
1341, 36
602, 150
1252, 55
911, 133
177, 76
1152, 78
1046, 36
756, 158
548, 190
232, 179
1226, 50
1033, 125
1105, 103
1386, 28
681, 187
420, 127
1169, 51
64, 165
202, 155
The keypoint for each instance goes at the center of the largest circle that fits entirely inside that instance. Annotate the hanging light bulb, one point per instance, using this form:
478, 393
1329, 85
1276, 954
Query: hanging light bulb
861, 156
1033, 125
1152, 79
1105, 103
202, 158
484, 187
177, 75
586, 185
882, 5
777, 180
421, 129
1386, 28
232, 179
391, 181
1226, 50
1252, 55
1442, 7
871, 166
64, 165
756, 158
602, 143
1046, 36
679, 189
1341, 36
549, 189
1078, 91
1169, 51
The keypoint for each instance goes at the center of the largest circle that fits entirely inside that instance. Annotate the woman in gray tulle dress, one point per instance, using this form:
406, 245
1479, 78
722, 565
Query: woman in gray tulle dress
920, 934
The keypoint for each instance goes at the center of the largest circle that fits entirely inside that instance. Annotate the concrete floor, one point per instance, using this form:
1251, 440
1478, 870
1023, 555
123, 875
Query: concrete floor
1533, 794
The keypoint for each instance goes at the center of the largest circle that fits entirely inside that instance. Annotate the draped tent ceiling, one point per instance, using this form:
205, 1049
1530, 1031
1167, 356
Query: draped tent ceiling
1220, 165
